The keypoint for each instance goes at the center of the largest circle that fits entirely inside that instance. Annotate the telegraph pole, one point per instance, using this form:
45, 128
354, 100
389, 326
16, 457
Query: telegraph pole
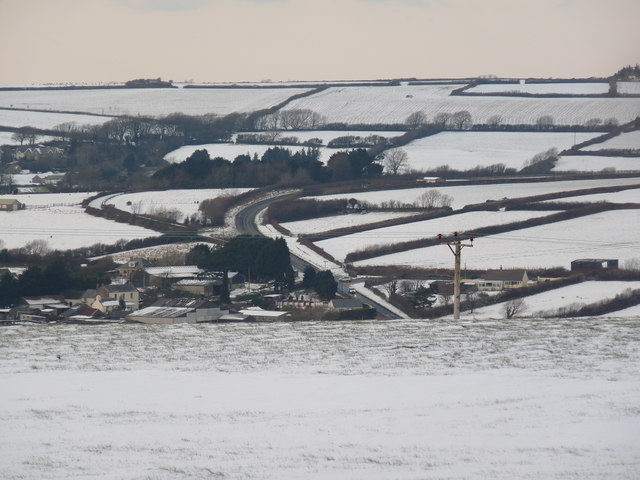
456, 248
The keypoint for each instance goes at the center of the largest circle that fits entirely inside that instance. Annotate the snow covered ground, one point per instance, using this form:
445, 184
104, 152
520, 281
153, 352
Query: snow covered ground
46, 120
543, 88
611, 234
625, 196
629, 88
185, 201
150, 101
627, 140
596, 163
61, 222
324, 224
548, 303
393, 104
466, 150
471, 194
6, 138
339, 247
535, 399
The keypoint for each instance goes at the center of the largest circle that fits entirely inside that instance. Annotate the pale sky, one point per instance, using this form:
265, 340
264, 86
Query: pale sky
51, 41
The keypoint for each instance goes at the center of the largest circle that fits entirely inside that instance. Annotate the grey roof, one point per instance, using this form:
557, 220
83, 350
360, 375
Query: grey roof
120, 288
346, 303
504, 275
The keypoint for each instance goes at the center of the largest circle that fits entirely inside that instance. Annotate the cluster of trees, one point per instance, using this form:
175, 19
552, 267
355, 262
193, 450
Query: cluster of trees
258, 258
275, 138
276, 166
541, 162
354, 141
460, 120
55, 277
301, 119
322, 282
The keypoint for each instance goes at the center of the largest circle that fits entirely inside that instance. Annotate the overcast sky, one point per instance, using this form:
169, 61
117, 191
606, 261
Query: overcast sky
49, 41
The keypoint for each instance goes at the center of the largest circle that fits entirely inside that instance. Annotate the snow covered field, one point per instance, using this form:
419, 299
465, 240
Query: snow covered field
543, 88
466, 150
548, 303
534, 399
611, 234
370, 105
150, 101
471, 194
629, 88
340, 246
46, 120
596, 163
324, 224
185, 201
627, 140
625, 196
61, 222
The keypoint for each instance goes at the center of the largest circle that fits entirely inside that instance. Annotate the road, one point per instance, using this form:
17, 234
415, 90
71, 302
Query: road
246, 225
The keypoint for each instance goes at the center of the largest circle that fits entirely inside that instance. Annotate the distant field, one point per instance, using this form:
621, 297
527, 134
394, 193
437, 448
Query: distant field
625, 196
543, 88
339, 247
629, 88
612, 234
628, 140
45, 120
185, 201
466, 150
596, 163
61, 222
470, 194
324, 224
151, 101
548, 303
371, 105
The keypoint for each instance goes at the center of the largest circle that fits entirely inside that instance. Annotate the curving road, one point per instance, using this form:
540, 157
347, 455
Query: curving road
246, 225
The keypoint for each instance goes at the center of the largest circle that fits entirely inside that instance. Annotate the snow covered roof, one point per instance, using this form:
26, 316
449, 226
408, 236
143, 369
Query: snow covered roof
165, 312
174, 271
259, 312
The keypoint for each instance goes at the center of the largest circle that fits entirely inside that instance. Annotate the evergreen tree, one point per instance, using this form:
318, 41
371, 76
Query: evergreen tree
325, 285
308, 277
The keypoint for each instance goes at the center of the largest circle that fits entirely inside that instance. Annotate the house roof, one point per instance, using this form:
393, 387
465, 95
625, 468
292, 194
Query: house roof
9, 201
193, 282
504, 275
174, 271
346, 303
112, 288
192, 303
163, 312
259, 312
44, 300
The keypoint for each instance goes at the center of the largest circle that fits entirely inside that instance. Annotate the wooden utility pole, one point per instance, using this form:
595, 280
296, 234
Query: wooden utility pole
456, 248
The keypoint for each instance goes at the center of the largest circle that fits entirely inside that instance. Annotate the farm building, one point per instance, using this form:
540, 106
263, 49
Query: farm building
587, 264
10, 204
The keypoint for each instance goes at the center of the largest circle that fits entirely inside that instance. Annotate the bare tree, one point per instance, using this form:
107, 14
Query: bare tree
545, 121
632, 264
513, 307
495, 120
36, 247
416, 120
391, 288
593, 122
395, 160
433, 198
461, 120
442, 119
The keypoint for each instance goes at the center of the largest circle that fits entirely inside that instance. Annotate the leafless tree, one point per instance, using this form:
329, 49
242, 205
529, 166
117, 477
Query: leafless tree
395, 160
433, 198
442, 119
461, 120
545, 121
36, 247
513, 307
495, 120
416, 120
391, 287
593, 122
632, 264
